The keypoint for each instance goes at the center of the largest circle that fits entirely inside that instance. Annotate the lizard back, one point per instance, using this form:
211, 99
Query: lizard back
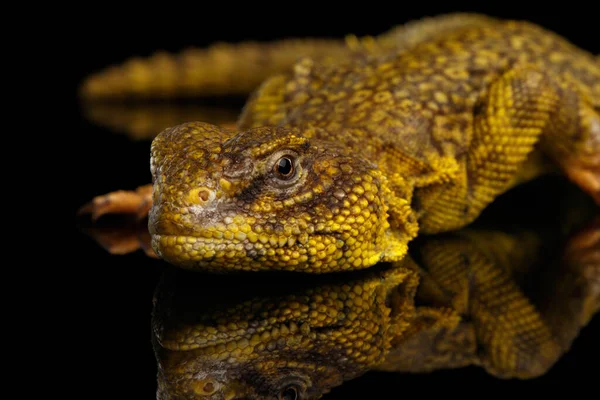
418, 103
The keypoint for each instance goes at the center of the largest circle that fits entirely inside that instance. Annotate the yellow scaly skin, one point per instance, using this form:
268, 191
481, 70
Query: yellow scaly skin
238, 69
401, 140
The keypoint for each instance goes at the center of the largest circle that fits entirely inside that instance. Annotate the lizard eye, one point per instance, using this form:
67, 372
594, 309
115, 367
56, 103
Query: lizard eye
289, 393
284, 167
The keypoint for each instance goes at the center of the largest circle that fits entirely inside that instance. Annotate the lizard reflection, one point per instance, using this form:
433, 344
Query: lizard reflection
507, 294
143, 121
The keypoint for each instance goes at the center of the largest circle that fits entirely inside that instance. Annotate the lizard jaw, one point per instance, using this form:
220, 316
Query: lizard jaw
192, 251
213, 251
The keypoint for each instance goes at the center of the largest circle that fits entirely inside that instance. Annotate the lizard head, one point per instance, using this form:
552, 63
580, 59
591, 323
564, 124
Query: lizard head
184, 376
275, 340
266, 198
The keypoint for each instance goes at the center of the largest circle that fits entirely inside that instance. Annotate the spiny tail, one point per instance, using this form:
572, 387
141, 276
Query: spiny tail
237, 69
221, 69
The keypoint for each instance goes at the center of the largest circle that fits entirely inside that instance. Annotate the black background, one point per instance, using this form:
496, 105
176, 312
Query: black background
116, 291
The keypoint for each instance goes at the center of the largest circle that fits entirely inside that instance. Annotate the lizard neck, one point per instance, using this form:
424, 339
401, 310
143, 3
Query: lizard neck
396, 189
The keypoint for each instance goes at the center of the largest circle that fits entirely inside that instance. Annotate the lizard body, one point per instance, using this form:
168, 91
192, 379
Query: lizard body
338, 165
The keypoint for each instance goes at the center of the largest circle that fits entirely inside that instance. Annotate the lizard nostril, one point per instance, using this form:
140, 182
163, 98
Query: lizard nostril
199, 196
204, 194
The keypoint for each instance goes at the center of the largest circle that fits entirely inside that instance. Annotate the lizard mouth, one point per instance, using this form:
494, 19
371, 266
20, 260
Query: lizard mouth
240, 252
194, 251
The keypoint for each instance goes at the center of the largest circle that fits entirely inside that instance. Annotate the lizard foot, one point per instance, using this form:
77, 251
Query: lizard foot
136, 202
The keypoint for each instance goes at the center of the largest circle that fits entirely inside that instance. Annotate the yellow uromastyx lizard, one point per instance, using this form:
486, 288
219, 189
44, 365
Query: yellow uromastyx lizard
342, 157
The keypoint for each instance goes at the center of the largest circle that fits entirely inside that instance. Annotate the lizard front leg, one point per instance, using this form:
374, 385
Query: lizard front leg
523, 110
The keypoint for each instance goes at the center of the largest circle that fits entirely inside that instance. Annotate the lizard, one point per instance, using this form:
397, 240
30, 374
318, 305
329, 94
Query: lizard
339, 164
480, 296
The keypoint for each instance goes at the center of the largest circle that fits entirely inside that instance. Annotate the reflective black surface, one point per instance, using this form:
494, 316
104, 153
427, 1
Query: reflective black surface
120, 290
116, 291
